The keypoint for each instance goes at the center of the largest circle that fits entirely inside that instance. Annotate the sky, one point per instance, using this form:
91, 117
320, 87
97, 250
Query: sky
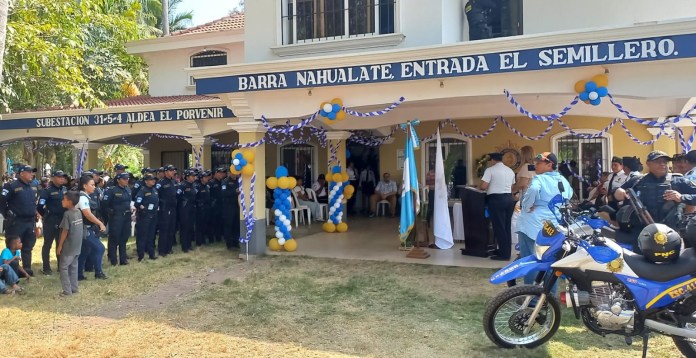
207, 10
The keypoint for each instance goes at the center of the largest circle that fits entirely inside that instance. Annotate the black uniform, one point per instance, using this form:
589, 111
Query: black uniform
216, 222
186, 210
51, 209
479, 15
203, 214
230, 211
116, 204
18, 206
147, 204
166, 220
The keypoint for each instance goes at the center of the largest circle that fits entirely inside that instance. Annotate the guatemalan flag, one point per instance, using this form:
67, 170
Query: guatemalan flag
410, 197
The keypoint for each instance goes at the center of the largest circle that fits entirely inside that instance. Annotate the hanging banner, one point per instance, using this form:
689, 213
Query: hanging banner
599, 53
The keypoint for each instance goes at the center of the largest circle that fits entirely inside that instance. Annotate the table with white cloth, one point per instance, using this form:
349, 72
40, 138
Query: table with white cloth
457, 222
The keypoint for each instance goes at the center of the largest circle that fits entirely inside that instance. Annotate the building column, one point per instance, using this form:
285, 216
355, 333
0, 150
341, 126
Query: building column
250, 132
336, 141
92, 152
199, 144
146, 158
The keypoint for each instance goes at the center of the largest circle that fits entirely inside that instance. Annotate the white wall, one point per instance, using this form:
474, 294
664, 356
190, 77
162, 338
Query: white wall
452, 20
166, 68
553, 15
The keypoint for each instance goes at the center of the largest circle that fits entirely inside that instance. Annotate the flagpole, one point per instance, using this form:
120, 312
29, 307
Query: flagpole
416, 251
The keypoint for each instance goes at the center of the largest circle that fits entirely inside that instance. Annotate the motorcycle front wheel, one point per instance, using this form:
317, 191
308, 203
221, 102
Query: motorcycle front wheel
507, 314
687, 346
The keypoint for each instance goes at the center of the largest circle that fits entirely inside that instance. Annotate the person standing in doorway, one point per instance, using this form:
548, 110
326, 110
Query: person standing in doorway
367, 185
497, 181
459, 177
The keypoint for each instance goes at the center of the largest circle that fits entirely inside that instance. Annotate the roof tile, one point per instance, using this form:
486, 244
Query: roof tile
231, 22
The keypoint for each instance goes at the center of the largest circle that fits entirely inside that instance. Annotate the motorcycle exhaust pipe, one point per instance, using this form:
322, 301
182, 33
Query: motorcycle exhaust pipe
670, 330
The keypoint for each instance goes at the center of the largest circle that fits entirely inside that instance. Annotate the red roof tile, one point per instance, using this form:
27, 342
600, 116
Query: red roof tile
145, 100
231, 22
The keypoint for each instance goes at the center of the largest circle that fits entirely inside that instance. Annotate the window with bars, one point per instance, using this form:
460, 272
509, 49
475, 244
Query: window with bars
206, 59
299, 159
321, 20
586, 158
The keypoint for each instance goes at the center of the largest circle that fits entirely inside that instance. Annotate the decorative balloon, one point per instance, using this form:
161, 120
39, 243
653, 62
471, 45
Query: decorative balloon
282, 203
592, 91
332, 110
339, 188
242, 162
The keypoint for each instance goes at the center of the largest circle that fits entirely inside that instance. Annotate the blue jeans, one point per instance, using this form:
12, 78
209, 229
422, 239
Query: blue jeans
526, 249
7, 277
92, 247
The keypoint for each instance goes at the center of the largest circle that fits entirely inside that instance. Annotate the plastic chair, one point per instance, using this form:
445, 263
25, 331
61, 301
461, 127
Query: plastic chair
296, 205
382, 207
324, 207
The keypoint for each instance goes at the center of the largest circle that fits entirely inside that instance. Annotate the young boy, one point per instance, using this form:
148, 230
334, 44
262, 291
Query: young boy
13, 244
70, 243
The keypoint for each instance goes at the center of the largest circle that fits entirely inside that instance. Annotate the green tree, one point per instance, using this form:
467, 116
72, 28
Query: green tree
110, 155
150, 17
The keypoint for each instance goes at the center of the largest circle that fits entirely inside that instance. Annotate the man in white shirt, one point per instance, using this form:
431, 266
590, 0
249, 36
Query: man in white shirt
303, 199
385, 190
615, 181
497, 181
321, 189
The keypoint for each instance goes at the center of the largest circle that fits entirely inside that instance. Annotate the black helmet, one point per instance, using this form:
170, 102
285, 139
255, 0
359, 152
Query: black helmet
659, 243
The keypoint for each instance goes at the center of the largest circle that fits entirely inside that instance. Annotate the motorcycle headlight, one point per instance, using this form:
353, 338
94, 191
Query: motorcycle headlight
540, 250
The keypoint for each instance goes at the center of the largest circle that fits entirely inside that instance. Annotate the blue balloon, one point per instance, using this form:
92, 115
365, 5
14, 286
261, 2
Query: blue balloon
336, 169
323, 113
332, 116
239, 156
584, 96
596, 102
281, 172
590, 86
602, 91
242, 162
335, 108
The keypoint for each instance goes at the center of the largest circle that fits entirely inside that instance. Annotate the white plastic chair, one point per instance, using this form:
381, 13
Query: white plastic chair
296, 205
382, 207
323, 207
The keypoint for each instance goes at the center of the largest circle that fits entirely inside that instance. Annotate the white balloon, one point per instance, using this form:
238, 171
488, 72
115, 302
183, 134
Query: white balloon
289, 198
235, 161
279, 235
277, 228
328, 108
286, 221
593, 95
278, 212
281, 242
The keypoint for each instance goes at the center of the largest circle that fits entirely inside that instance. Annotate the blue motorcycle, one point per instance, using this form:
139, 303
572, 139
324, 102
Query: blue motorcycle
613, 291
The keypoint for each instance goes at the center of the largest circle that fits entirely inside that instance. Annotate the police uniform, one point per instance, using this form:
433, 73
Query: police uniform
140, 182
229, 210
186, 210
147, 204
216, 222
478, 14
117, 204
202, 228
18, 205
166, 220
51, 209
119, 168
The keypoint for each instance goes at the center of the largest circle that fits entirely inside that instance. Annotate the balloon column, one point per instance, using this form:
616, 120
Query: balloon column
592, 91
339, 189
242, 163
281, 185
332, 110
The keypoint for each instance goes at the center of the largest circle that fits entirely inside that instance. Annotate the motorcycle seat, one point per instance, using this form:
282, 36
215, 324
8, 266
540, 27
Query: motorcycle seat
685, 265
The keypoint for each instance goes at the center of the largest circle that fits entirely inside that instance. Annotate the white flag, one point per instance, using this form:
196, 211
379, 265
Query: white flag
442, 225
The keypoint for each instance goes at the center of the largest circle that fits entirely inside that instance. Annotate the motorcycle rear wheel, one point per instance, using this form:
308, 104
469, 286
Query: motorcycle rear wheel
504, 318
687, 346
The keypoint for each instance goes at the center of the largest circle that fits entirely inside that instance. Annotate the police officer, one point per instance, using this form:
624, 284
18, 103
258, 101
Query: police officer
140, 183
203, 208
117, 204
216, 204
186, 210
479, 15
166, 220
119, 168
159, 173
51, 209
229, 210
147, 204
18, 205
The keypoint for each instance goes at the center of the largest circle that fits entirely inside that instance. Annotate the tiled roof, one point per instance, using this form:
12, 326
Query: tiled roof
145, 100
231, 22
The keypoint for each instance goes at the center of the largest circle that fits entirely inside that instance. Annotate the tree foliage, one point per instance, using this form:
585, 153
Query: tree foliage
112, 154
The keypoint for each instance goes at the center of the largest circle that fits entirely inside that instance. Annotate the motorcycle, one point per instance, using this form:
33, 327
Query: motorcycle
613, 290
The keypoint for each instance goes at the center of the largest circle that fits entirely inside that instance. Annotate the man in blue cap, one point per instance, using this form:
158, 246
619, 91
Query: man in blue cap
51, 209
139, 184
147, 204
117, 205
18, 206
119, 168
166, 221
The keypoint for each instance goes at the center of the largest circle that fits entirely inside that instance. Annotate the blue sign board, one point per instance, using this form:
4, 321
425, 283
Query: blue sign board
600, 53
118, 118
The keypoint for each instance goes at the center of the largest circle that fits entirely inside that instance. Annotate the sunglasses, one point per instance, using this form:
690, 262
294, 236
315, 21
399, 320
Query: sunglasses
543, 156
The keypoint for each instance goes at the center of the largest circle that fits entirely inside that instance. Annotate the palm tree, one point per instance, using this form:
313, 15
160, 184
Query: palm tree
177, 20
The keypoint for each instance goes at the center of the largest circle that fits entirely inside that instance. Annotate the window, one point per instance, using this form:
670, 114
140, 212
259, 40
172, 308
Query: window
206, 59
317, 20
453, 149
491, 19
586, 157
299, 159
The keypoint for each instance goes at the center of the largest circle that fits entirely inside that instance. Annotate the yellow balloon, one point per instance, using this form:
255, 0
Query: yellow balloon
274, 245
342, 227
580, 86
337, 177
349, 190
283, 183
248, 155
347, 196
328, 177
344, 177
292, 182
248, 170
601, 80
329, 227
341, 115
234, 152
290, 245
233, 170
272, 183
337, 101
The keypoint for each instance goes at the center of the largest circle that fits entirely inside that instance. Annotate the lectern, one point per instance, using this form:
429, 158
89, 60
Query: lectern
477, 236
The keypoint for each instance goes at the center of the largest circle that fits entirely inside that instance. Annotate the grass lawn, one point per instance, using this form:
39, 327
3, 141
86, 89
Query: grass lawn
208, 303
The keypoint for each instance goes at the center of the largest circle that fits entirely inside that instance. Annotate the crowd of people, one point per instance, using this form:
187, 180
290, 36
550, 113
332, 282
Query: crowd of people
75, 213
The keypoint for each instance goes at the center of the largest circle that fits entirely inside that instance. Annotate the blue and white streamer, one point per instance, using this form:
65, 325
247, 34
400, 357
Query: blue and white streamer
375, 113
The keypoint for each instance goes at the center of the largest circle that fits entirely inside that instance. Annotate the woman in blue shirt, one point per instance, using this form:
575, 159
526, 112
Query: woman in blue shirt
534, 203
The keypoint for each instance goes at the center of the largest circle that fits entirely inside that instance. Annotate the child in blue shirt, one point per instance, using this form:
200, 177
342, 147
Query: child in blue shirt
13, 244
